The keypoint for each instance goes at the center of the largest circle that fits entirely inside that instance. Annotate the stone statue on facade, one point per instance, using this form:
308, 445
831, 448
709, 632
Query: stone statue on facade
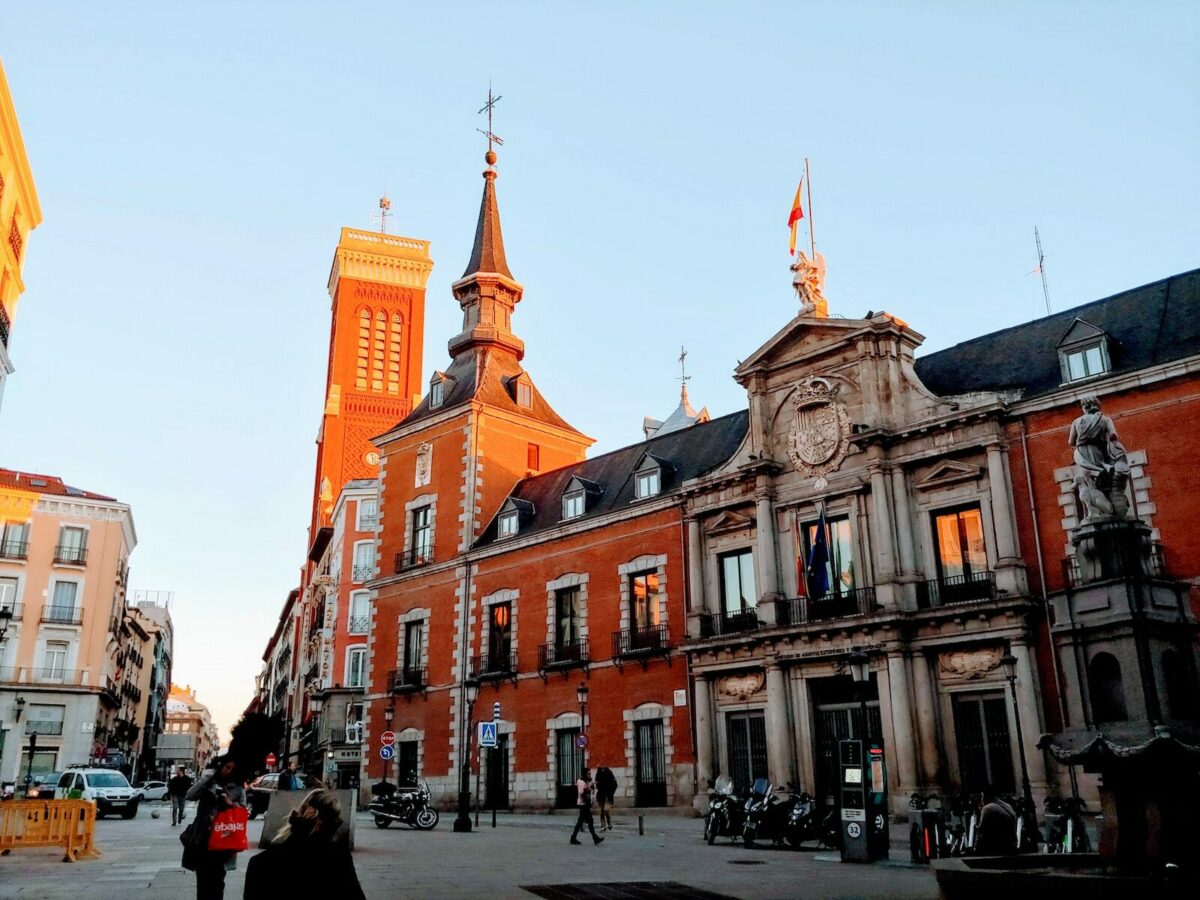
1101, 461
809, 282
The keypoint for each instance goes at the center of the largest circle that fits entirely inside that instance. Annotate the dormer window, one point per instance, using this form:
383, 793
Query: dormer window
1083, 352
437, 392
525, 394
573, 505
648, 483
508, 525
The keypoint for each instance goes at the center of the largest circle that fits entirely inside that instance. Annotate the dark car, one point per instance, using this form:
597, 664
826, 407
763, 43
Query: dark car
258, 795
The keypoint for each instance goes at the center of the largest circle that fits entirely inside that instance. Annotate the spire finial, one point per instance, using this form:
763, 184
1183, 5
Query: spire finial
492, 137
684, 377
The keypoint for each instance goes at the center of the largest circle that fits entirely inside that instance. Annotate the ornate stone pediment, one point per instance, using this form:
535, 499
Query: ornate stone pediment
741, 686
948, 472
820, 434
728, 520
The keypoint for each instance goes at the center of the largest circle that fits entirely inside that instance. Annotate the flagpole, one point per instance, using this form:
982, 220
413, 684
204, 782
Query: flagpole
812, 238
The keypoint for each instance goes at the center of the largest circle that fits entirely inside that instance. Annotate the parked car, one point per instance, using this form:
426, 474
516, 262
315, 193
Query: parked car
151, 790
109, 789
43, 786
258, 795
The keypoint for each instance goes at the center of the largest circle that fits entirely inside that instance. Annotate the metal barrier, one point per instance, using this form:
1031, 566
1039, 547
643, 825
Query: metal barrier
70, 824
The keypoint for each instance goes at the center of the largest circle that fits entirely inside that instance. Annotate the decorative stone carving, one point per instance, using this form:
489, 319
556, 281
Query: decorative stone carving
424, 465
742, 686
808, 283
1101, 461
820, 435
969, 665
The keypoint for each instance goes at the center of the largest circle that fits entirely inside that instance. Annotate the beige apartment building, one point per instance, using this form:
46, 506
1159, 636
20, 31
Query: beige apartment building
63, 570
190, 737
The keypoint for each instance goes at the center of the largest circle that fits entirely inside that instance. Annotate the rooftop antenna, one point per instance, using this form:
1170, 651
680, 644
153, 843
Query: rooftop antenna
1041, 268
684, 377
487, 108
385, 206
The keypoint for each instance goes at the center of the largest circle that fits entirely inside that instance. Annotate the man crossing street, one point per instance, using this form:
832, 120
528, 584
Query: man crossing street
178, 787
586, 788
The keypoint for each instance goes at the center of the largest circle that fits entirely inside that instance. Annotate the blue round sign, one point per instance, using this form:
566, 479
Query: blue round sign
387, 752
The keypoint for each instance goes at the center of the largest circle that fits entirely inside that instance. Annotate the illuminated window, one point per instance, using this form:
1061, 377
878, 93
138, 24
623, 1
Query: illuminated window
737, 582
958, 535
499, 637
643, 600
838, 575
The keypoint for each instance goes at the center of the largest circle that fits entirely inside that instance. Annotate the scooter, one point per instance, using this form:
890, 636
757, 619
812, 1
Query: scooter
809, 822
407, 805
767, 813
726, 811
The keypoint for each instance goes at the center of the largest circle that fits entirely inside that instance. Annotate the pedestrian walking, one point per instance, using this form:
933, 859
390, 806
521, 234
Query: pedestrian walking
308, 858
177, 789
606, 792
586, 789
218, 790
289, 780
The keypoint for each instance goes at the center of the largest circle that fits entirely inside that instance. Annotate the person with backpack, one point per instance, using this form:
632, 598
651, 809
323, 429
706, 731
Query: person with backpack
606, 792
586, 788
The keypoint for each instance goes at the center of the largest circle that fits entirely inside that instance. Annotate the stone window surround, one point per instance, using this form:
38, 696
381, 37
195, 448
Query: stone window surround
645, 712
416, 503
351, 649
421, 615
645, 563
928, 504
1139, 482
504, 595
412, 734
567, 580
561, 722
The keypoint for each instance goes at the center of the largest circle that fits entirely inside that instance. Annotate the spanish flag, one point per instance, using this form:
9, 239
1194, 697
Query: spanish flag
796, 215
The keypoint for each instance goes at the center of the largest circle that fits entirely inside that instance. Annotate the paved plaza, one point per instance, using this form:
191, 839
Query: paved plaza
141, 859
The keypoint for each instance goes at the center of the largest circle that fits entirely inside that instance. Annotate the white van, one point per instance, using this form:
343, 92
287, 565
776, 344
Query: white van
109, 789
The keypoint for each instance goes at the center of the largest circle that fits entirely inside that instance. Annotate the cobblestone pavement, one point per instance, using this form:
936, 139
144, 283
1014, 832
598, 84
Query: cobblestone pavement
141, 859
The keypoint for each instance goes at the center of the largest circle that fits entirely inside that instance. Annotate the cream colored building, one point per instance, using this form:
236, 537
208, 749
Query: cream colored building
63, 566
190, 739
20, 213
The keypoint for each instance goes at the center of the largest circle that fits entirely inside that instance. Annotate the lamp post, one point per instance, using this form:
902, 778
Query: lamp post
1008, 663
316, 703
581, 694
20, 707
860, 670
6, 615
389, 713
463, 822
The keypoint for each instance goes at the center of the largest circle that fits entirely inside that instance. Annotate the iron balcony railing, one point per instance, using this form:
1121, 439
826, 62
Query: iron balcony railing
70, 556
11, 549
17, 609
62, 615
9, 674
358, 624
637, 641
972, 588
1114, 566
728, 622
363, 573
52, 675
410, 559
494, 665
834, 605
110, 692
562, 655
408, 678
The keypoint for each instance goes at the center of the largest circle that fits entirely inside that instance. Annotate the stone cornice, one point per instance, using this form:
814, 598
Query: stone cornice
84, 508
1070, 394
380, 258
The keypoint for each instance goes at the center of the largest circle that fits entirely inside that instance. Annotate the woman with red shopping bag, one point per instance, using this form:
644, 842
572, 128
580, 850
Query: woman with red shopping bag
218, 831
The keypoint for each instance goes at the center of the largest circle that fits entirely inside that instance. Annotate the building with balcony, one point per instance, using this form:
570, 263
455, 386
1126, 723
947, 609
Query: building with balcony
189, 739
63, 571
20, 213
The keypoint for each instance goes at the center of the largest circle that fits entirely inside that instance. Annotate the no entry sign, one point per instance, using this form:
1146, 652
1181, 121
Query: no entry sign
271, 759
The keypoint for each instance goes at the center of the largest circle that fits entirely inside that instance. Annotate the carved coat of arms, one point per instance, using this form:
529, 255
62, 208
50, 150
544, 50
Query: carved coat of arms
820, 435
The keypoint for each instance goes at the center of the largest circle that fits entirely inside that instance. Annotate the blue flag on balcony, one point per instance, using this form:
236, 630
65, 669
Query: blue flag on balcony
818, 561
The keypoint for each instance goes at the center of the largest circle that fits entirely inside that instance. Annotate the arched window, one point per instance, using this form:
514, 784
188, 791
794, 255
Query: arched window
378, 341
1180, 690
393, 354
1108, 693
364, 349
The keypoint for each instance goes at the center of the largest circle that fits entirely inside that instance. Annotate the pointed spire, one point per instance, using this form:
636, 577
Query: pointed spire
488, 253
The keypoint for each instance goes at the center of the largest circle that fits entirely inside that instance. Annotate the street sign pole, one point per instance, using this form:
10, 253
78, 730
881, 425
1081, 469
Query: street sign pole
492, 756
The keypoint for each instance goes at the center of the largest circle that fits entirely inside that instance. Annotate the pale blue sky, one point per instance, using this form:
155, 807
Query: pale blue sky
196, 161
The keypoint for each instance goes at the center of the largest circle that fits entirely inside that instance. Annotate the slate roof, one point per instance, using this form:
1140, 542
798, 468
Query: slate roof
487, 255
689, 453
1146, 326
45, 484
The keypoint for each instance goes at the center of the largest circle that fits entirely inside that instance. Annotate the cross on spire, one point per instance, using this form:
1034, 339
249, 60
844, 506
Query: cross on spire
487, 108
684, 377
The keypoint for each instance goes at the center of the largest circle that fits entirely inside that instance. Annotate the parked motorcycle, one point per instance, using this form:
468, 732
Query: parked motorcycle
767, 813
809, 822
409, 805
726, 811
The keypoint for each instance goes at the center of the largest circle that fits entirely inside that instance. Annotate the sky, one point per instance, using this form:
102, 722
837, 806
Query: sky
195, 163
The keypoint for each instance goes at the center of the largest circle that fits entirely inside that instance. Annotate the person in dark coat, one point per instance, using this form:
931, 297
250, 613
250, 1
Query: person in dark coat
307, 858
997, 826
606, 792
178, 788
219, 789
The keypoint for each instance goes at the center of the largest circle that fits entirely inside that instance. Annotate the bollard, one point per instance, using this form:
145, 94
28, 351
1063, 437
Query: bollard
642, 826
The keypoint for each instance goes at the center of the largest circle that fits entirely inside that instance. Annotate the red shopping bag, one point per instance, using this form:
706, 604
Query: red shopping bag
229, 829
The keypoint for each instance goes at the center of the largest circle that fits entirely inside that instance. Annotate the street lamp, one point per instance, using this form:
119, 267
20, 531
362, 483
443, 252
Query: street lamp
20, 707
6, 615
389, 713
1008, 663
581, 694
316, 703
463, 822
860, 670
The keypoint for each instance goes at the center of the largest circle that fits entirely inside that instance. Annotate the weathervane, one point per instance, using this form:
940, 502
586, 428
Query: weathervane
489, 134
385, 206
684, 377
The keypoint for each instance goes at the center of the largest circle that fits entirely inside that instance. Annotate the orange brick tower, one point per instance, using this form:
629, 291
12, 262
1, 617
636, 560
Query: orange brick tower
377, 285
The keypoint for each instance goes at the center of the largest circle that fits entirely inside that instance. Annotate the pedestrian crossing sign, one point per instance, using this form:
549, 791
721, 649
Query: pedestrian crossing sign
487, 734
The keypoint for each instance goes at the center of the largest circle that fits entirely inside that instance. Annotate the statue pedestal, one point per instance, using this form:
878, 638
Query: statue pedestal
1110, 547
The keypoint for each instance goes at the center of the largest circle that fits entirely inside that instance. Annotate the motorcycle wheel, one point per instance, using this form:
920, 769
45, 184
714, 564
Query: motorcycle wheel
382, 821
427, 819
710, 830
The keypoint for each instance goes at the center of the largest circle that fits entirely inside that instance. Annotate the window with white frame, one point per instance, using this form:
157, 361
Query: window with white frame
368, 514
54, 666
72, 545
356, 667
648, 483
573, 505
62, 602
360, 612
508, 524
364, 561
437, 392
8, 595
1085, 362
422, 535
14, 541
524, 394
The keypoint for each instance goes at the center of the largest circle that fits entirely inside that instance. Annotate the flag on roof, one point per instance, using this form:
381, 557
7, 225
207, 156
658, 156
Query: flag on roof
794, 218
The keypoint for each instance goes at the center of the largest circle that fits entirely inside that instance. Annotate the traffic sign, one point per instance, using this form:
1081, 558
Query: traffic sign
487, 734
387, 738
387, 751
581, 741
271, 760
